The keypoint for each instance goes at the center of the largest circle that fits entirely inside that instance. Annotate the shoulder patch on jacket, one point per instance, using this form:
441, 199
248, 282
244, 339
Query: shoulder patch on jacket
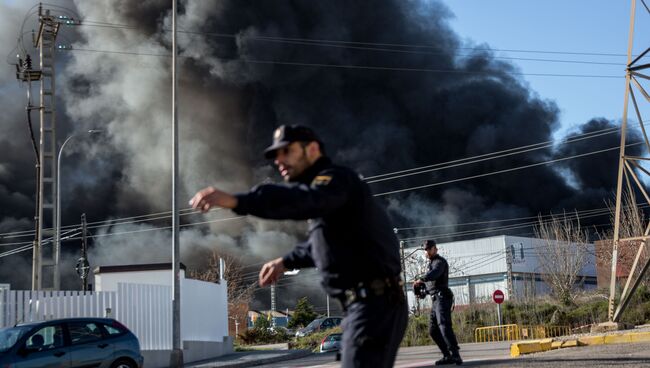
322, 180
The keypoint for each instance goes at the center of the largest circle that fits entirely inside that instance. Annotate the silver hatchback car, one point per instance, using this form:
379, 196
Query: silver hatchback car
70, 342
331, 342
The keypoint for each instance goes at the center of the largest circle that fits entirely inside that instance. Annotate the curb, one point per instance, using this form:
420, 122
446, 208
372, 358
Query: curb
537, 346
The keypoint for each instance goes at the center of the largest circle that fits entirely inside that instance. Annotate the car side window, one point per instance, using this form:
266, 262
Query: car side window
112, 331
50, 337
83, 332
328, 323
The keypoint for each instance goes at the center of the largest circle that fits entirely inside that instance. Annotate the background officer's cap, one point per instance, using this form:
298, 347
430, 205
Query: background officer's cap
284, 135
428, 244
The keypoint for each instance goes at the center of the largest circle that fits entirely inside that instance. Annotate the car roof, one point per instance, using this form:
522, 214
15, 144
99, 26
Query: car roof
62, 320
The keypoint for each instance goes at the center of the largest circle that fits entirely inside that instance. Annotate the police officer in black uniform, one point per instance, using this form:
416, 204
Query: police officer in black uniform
351, 241
437, 282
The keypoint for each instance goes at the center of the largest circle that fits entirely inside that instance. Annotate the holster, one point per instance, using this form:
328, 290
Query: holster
392, 288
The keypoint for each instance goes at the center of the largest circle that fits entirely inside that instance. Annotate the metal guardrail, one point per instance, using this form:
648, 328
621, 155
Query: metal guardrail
514, 332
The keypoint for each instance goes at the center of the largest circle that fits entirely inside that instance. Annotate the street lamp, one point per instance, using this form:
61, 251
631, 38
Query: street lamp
57, 242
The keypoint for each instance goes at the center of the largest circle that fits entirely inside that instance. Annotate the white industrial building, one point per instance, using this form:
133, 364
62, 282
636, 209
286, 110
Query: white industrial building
511, 264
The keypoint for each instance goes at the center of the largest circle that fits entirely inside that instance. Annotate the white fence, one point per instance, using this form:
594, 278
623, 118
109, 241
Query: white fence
147, 311
25, 306
144, 309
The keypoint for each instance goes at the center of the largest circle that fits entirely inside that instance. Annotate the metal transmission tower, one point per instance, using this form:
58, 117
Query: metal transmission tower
629, 168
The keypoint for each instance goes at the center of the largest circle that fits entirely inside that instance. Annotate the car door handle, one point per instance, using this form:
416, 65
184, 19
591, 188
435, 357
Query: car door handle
102, 346
59, 354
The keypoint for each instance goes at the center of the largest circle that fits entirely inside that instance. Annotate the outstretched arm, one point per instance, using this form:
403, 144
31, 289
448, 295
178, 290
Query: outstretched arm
210, 197
325, 194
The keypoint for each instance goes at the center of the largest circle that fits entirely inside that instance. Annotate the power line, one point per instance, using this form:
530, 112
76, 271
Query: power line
550, 216
368, 67
503, 227
111, 222
485, 157
190, 211
503, 171
368, 48
326, 42
30, 245
151, 229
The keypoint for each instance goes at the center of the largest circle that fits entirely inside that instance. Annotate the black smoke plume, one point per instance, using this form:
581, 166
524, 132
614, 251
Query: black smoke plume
355, 71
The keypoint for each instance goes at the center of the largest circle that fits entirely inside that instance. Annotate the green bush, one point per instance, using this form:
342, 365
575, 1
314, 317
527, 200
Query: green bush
417, 331
258, 336
303, 314
262, 333
587, 313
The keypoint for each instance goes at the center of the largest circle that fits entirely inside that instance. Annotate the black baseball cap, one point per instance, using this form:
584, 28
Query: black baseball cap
284, 135
428, 244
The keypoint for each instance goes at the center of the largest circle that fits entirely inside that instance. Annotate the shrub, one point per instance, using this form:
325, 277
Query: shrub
417, 331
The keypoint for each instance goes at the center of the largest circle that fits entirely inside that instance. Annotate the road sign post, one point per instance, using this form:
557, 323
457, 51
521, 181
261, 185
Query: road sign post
498, 298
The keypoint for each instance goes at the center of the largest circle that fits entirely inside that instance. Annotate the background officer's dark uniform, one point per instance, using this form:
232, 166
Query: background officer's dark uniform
440, 327
352, 244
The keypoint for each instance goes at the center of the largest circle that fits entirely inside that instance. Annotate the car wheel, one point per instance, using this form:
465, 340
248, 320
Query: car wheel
123, 363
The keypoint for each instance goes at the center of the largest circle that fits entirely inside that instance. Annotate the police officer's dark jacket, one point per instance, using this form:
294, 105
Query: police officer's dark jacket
350, 237
437, 276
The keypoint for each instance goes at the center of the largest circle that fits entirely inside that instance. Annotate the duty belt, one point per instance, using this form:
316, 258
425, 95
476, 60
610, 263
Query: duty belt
373, 288
442, 293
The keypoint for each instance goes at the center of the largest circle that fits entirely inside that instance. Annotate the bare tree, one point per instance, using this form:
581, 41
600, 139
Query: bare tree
240, 292
562, 254
416, 265
633, 224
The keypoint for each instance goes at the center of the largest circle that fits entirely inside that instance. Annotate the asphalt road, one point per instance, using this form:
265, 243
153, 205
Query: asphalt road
419, 356
496, 355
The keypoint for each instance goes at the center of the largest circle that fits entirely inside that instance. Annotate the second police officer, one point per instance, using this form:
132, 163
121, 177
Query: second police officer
440, 326
351, 241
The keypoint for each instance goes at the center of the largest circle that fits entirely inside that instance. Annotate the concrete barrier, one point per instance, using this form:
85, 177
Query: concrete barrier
538, 346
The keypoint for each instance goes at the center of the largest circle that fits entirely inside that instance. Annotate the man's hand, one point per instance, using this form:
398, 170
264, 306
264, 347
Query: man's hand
212, 197
418, 282
271, 272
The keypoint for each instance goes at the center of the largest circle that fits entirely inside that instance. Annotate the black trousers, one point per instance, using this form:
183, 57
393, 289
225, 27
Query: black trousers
372, 331
440, 328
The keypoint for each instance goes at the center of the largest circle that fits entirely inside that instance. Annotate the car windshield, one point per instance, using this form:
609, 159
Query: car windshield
315, 323
9, 336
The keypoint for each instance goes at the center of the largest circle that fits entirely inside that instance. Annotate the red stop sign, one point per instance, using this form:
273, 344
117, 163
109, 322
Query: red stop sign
498, 296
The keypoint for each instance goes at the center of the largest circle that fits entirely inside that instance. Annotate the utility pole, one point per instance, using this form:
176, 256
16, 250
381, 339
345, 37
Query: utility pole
176, 357
273, 305
84, 251
509, 287
327, 297
83, 266
45, 214
401, 249
45, 41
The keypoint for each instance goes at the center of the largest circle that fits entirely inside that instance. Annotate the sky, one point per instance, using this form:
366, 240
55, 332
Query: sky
579, 26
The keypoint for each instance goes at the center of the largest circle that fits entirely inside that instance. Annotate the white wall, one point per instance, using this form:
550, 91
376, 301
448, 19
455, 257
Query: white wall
108, 281
526, 258
475, 257
204, 310
204, 305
